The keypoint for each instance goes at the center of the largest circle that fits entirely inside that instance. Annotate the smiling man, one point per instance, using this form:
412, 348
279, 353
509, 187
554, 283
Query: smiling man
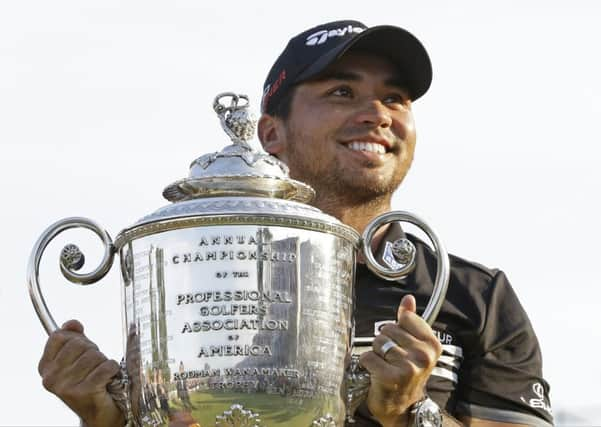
337, 109
354, 168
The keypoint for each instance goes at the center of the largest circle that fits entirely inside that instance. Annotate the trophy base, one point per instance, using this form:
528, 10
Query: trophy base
250, 409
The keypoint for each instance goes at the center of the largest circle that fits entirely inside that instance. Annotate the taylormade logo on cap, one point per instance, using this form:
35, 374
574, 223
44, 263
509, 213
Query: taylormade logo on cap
322, 36
307, 54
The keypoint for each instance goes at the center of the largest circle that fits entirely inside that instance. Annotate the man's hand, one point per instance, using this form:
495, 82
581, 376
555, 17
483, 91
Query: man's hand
75, 370
398, 377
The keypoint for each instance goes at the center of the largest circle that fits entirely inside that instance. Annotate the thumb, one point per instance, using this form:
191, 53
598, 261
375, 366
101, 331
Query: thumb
407, 304
73, 325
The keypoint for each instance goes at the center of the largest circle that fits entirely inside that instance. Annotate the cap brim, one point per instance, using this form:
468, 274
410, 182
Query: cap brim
400, 46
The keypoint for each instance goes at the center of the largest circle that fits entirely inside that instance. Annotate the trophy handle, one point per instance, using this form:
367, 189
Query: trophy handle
404, 254
403, 260
71, 260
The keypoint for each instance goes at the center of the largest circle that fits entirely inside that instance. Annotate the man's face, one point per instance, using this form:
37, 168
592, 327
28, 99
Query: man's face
351, 130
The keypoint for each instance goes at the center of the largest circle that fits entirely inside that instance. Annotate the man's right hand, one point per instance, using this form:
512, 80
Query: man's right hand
75, 370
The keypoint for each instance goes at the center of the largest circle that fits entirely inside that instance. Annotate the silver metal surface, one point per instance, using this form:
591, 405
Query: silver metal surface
237, 416
238, 170
404, 251
68, 264
443, 269
236, 211
386, 347
238, 122
357, 386
427, 414
248, 315
325, 421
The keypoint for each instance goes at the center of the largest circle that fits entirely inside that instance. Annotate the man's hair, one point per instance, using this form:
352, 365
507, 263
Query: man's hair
282, 109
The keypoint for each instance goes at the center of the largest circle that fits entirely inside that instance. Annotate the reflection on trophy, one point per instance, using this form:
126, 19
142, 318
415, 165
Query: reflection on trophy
238, 296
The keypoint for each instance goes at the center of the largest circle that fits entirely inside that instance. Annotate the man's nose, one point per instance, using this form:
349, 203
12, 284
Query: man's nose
375, 113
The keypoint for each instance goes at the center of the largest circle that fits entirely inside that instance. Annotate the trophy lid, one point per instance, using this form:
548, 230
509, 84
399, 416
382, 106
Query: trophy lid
238, 185
239, 169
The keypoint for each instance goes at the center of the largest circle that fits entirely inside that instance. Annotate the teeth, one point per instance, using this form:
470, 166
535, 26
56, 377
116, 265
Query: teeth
367, 146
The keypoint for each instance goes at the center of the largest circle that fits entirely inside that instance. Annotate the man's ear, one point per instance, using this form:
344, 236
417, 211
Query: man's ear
272, 135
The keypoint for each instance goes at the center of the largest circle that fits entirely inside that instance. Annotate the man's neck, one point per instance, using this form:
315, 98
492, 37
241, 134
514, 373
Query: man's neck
352, 213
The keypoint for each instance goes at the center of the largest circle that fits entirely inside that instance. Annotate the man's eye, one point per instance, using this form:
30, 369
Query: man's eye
395, 98
342, 91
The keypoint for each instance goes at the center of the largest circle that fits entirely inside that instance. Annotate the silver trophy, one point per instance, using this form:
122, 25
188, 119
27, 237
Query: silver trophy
238, 296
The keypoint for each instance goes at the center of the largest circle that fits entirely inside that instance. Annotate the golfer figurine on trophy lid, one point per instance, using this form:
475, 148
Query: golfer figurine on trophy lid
238, 295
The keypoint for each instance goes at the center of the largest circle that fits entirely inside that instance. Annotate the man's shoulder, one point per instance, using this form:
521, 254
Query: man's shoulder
461, 263
460, 266
473, 295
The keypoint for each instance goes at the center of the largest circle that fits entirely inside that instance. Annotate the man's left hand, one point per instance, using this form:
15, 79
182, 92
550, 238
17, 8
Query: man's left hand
399, 374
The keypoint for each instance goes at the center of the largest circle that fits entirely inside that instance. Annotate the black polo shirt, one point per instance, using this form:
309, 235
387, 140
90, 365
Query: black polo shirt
491, 365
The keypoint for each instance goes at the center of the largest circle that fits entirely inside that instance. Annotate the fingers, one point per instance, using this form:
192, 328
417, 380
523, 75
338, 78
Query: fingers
423, 354
75, 370
403, 356
56, 340
407, 303
103, 373
410, 333
73, 325
398, 344
75, 346
85, 364
410, 347
411, 322
395, 376
68, 358
58, 376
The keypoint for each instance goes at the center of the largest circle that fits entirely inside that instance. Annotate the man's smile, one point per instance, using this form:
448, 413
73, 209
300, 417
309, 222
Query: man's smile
373, 150
371, 147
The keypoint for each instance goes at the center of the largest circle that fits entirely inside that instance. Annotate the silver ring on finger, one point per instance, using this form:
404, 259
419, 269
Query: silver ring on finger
386, 347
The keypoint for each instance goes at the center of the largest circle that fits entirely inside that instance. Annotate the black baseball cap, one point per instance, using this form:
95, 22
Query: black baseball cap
312, 51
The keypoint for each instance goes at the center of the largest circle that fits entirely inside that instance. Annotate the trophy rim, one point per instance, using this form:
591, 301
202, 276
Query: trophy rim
227, 219
249, 185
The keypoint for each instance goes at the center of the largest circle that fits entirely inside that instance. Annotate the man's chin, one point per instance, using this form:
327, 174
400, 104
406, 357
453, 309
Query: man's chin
355, 187
364, 190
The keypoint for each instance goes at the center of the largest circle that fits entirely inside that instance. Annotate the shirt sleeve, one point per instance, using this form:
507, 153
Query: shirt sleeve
501, 380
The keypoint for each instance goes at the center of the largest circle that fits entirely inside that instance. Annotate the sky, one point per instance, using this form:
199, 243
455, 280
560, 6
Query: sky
103, 104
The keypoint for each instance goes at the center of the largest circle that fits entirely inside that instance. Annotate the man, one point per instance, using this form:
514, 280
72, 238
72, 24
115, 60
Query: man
337, 109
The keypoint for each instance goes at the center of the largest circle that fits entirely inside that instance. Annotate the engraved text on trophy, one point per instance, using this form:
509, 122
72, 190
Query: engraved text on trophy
243, 309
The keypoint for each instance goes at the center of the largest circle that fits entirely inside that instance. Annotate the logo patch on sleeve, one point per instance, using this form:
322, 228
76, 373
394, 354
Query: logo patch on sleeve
540, 401
389, 259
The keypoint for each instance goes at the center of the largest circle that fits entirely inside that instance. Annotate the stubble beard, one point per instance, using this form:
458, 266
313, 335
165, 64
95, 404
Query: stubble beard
336, 183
